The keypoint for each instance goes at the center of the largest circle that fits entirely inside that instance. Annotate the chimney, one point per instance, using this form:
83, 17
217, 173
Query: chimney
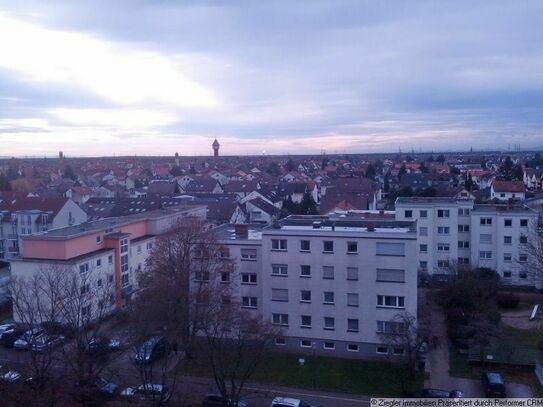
381, 212
242, 231
316, 225
371, 227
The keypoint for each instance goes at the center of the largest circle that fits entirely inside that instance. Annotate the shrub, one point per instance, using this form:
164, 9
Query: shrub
507, 300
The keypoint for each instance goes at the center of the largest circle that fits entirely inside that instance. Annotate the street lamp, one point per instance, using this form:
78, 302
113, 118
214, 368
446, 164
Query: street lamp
314, 370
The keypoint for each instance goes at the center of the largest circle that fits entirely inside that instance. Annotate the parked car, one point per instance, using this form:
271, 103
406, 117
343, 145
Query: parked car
152, 349
100, 346
27, 338
46, 342
10, 336
288, 402
156, 392
6, 328
216, 400
437, 394
493, 385
105, 387
12, 376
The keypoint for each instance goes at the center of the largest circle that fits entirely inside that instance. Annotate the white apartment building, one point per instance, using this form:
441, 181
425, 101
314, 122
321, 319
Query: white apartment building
332, 284
459, 232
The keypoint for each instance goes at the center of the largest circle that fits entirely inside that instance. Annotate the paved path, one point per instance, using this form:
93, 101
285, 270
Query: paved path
438, 367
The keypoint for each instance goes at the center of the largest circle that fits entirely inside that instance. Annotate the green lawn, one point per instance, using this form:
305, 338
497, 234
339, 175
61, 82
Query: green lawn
342, 375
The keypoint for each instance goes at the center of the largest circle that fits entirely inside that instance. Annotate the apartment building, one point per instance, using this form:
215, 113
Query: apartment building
22, 215
104, 251
459, 232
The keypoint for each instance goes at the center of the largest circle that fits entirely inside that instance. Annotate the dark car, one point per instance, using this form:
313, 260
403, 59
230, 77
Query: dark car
147, 392
102, 346
10, 336
46, 342
152, 349
216, 400
493, 385
436, 394
105, 387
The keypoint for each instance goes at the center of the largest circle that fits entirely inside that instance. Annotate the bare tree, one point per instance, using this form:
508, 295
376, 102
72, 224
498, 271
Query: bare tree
533, 250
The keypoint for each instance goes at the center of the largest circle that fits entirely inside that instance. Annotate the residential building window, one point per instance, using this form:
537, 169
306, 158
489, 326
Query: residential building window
523, 258
125, 280
443, 247
523, 239
506, 274
328, 272
328, 246
391, 275
508, 223
201, 276
99, 282
352, 247
485, 255
423, 265
390, 301
443, 264
352, 325
485, 221
390, 249
305, 321
279, 270
305, 296
149, 246
485, 238
110, 259
381, 350
249, 302
423, 248
352, 273
352, 347
329, 297
85, 289
329, 323
443, 213
507, 240
463, 261
225, 277
352, 299
329, 345
279, 294
524, 223
463, 211
304, 343
98, 263
98, 239
463, 228
423, 213
443, 230
423, 231
522, 275
397, 351
280, 341
139, 249
279, 244
408, 213
280, 319
305, 245
124, 245
507, 257
124, 263
83, 268
305, 270
248, 254
390, 327
248, 278
463, 244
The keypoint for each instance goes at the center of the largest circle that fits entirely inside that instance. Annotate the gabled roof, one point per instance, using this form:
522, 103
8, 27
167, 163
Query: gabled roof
12, 202
508, 186
263, 205
241, 186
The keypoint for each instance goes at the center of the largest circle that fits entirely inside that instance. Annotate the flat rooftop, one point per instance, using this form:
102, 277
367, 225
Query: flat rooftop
228, 232
504, 208
431, 200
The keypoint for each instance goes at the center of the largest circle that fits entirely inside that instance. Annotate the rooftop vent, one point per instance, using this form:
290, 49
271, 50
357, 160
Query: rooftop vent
316, 224
371, 227
242, 231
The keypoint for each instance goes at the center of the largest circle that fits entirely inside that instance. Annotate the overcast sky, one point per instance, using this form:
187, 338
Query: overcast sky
103, 77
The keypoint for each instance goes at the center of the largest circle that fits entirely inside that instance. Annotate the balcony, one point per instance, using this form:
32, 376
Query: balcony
13, 237
14, 250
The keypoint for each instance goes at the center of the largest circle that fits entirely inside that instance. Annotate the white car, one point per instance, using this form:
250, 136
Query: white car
29, 336
6, 327
288, 402
156, 392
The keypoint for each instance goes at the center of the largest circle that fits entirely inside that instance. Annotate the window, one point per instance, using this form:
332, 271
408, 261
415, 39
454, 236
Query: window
522, 258
443, 264
523, 275
423, 265
279, 270
328, 272
83, 268
280, 319
508, 223
523, 239
305, 245
305, 321
390, 249
485, 221
85, 289
328, 246
98, 239
329, 345
352, 347
305, 344
463, 261
443, 247
507, 257
507, 240
124, 280
443, 213
423, 214
408, 213
463, 211
397, 351
248, 254
443, 230
352, 299
280, 341
423, 248
329, 297
390, 301
463, 244
249, 302
329, 323
352, 273
279, 294
352, 325
99, 282
305, 270
124, 263
485, 238
524, 223
201, 276
110, 259
463, 228
110, 278
139, 248
149, 245
391, 275
423, 231
279, 244
390, 327
225, 277
248, 278
506, 274
98, 263
485, 255
352, 247
381, 350
124, 245
305, 296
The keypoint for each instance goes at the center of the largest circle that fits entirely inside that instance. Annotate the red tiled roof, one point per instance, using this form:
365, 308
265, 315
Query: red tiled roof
508, 186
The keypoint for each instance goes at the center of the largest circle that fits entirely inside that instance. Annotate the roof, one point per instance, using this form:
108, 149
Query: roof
13, 202
343, 201
508, 186
241, 186
265, 206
